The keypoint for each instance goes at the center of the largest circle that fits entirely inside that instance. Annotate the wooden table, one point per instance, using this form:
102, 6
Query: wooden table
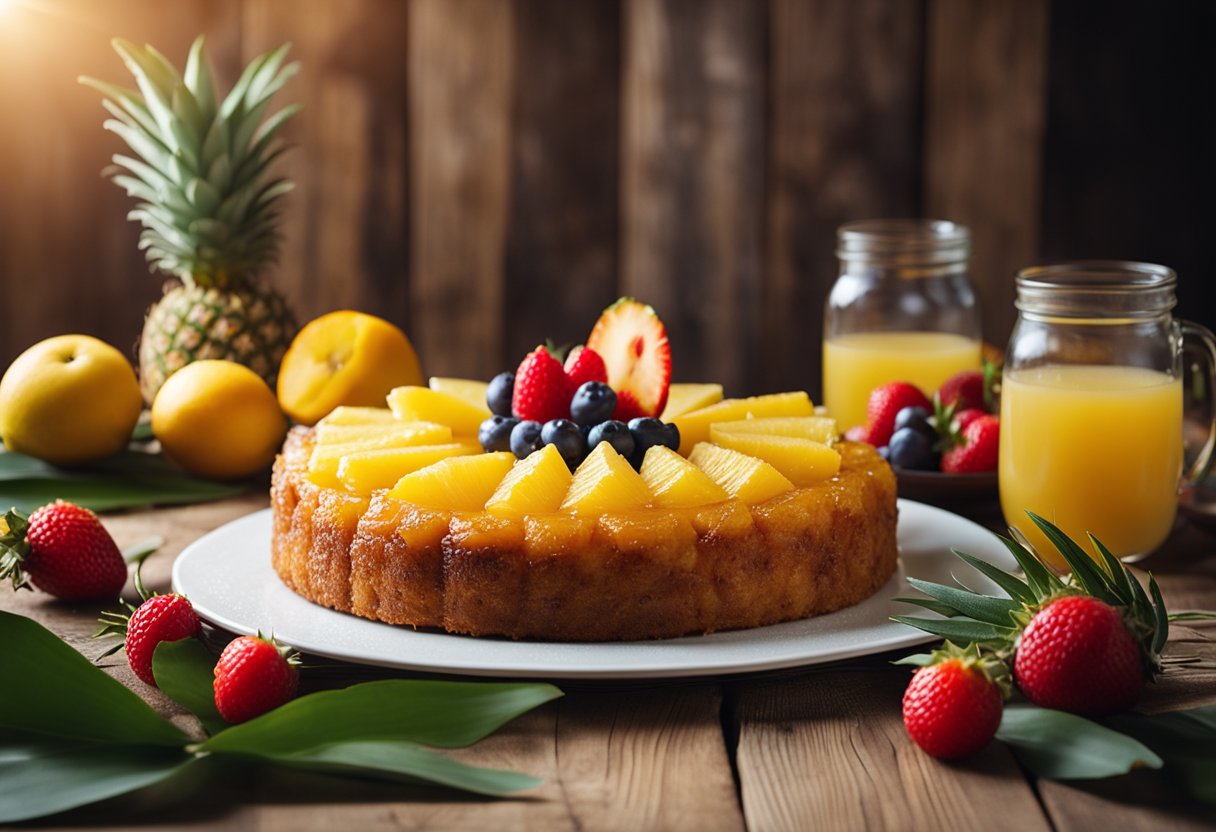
821, 748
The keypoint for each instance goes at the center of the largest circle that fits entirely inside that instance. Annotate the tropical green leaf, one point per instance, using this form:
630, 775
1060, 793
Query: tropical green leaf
39, 777
138, 552
930, 604
1063, 746
1042, 580
1119, 573
444, 714
1016, 589
1161, 621
960, 630
185, 672
406, 761
130, 478
48, 688
916, 660
1093, 580
979, 607
1186, 740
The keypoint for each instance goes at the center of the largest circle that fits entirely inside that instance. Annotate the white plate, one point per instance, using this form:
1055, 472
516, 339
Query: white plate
228, 577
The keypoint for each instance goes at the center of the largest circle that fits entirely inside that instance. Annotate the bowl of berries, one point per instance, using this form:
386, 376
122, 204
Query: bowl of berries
943, 448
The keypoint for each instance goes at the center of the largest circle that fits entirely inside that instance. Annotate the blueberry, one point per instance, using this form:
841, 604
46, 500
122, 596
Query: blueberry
615, 434
672, 436
647, 432
495, 433
914, 417
912, 450
593, 402
567, 438
885, 452
499, 393
525, 438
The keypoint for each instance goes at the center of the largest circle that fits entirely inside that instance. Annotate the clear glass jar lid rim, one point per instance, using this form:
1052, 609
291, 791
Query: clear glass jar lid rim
1097, 276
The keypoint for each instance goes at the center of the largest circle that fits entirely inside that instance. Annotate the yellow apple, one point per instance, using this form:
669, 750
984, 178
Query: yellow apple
344, 359
68, 400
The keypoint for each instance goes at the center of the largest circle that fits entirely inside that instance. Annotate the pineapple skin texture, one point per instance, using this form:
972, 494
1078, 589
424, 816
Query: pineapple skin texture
250, 325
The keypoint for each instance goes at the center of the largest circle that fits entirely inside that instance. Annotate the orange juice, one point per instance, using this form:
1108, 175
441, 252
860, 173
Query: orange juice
1092, 449
855, 364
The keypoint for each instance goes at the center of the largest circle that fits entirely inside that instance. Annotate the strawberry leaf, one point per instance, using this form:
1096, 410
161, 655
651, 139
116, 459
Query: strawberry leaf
959, 630
979, 607
1064, 746
41, 776
1161, 620
409, 762
1043, 583
49, 688
185, 672
1122, 578
1014, 588
443, 714
139, 552
1093, 580
930, 604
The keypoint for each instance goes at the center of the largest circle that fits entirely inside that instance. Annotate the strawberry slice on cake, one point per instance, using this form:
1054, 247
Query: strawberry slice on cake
632, 340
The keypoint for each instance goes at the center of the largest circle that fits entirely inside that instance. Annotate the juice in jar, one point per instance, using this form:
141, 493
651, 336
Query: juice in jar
856, 363
1093, 449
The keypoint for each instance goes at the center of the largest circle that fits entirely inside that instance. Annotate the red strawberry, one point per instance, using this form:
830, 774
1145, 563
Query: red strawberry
981, 443
952, 707
885, 402
1077, 655
964, 390
583, 365
966, 417
253, 676
64, 550
858, 433
633, 343
542, 389
159, 618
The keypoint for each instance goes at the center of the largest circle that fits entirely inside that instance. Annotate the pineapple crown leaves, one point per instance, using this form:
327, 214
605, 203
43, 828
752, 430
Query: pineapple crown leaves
208, 209
14, 548
995, 623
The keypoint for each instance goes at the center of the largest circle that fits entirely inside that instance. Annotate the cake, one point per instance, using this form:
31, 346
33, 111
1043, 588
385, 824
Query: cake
573, 503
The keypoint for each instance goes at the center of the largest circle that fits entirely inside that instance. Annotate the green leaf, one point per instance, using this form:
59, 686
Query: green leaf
1063, 746
930, 604
1161, 620
139, 552
1042, 580
979, 607
46, 687
1014, 588
959, 630
1186, 740
40, 777
185, 672
916, 660
1119, 574
1093, 580
127, 479
406, 761
444, 714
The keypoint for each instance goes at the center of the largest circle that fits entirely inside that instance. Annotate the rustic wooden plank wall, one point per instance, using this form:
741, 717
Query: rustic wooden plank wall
487, 173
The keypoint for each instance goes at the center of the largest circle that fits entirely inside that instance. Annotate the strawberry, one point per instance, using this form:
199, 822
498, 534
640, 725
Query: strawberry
1077, 655
965, 417
885, 402
542, 389
64, 550
583, 365
159, 618
858, 433
633, 343
952, 707
253, 676
964, 390
981, 442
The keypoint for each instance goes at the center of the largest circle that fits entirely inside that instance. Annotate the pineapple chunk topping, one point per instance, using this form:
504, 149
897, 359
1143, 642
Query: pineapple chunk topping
460, 483
467, 390
536, 485
394, 434
744, 477
367, 471
685, 398
605, 482
694, 426
820, 428
327, 456
802, 461
425, 405
348, 415
677, 483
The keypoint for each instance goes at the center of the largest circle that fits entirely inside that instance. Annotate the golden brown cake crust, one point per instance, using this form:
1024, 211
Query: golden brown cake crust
653, 573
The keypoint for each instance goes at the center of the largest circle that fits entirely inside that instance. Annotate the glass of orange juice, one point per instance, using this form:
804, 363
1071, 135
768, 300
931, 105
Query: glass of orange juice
902, 309
1092, 404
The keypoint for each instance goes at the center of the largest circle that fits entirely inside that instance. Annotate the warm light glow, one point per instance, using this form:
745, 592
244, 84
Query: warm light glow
7, 6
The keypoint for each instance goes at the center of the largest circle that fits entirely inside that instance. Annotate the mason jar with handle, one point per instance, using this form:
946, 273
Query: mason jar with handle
902, 309
1092, 405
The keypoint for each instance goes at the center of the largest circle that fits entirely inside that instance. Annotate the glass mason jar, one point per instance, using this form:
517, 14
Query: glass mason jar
1092, 405
902, 309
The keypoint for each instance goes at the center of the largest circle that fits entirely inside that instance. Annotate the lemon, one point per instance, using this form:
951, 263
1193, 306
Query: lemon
68, 400
344, 359
218, 419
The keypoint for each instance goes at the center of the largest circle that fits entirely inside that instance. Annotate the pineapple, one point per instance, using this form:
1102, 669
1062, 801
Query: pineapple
208, 206
684, 398
425, 432
744, 477
536, 485
426, 405
694, 426
347, 415
471, 390
676, 482
605, 482
820, 428
459, 483
363, 472
802, 461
